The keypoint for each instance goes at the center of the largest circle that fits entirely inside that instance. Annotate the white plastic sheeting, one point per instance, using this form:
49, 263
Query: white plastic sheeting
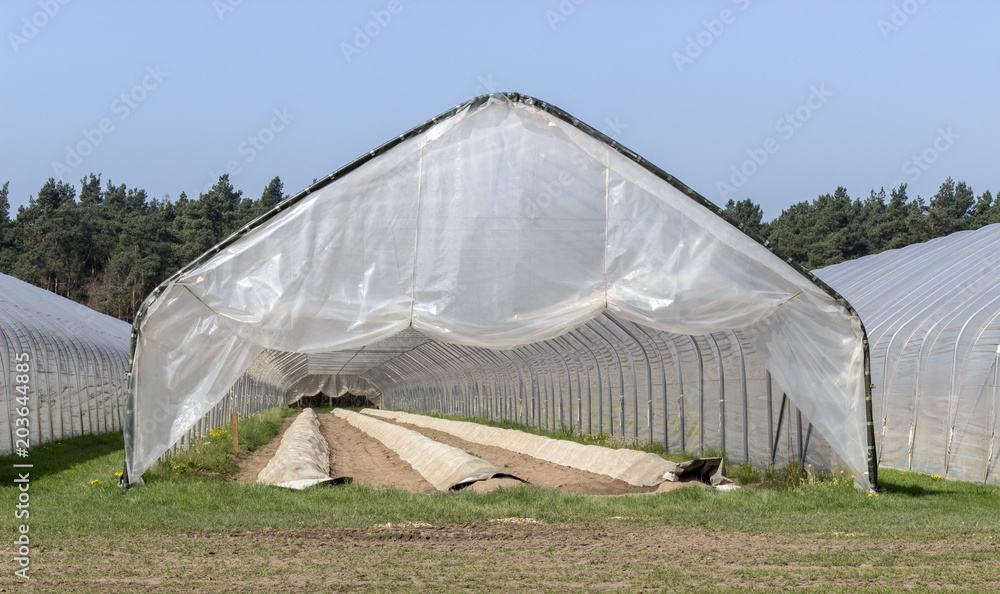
303, 458
933, 314
441, 465
641, 469
333, 386
76, 363
500, 223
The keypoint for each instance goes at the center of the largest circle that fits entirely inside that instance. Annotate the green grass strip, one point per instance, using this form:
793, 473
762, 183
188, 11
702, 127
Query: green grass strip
74, 494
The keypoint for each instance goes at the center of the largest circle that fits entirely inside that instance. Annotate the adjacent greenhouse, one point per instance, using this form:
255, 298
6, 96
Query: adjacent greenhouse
933, 314
506, 260
63, 364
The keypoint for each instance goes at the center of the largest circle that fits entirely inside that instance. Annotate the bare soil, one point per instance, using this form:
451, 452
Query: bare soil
354, 454
365, 460
510, 554
536, 471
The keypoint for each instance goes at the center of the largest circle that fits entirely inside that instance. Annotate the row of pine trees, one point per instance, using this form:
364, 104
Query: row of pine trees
109, 246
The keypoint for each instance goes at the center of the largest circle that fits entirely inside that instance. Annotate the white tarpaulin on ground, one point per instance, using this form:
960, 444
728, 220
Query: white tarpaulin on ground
502, 222
441, 465
641, 469
302, 459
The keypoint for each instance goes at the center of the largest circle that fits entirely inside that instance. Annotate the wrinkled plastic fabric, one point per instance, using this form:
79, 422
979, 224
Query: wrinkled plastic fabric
76, 360
333, 386
499, 226
932, 312
636, 468
303, 457
443, 466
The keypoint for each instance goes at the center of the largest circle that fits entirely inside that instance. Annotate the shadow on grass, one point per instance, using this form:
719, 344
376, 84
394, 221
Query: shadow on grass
58, 456
892, 484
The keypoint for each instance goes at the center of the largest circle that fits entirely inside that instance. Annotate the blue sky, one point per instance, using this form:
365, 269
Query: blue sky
778, 101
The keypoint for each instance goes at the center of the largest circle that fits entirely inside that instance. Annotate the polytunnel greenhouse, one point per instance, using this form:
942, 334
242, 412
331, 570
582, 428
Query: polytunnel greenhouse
506, 260
63, 363
932, 313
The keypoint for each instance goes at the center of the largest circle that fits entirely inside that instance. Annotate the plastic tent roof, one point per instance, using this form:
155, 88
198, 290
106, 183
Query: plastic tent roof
76, 360
501, 222
932, 310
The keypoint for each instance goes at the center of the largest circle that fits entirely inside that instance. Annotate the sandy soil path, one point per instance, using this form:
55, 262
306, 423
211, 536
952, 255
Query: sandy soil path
366, 460
535, 471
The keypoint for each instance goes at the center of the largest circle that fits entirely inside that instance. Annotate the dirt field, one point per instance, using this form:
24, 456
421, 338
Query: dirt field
624, 553
364, 459
508, 555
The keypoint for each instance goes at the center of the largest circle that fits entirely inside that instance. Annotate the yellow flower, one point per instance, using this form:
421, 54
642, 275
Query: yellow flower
118, 474
93, 481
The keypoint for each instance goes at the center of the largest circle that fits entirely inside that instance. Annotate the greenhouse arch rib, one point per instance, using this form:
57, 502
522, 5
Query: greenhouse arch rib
230, 326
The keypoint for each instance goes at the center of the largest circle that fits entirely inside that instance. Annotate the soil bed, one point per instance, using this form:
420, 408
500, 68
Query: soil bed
535, 471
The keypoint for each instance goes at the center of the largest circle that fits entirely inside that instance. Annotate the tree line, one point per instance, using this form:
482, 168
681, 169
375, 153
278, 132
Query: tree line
109, 246
835, 227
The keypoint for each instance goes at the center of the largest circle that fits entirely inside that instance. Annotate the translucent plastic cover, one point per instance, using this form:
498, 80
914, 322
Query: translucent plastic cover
499, 225
933, 315
66, 361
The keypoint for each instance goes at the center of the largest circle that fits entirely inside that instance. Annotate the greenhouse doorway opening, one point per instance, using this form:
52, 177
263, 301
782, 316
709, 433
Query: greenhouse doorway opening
505, 259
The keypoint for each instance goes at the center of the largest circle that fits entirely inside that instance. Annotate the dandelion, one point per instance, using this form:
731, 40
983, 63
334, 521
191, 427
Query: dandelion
869, 496
93, 481
118, 474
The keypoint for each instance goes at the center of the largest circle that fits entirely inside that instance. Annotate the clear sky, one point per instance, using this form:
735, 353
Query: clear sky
801, 96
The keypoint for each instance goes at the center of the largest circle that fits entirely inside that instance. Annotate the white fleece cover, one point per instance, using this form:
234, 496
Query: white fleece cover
443, 466
641, 469
302, 459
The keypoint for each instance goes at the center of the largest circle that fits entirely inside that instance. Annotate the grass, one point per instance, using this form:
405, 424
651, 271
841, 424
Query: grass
74, 500
213, 454
193, 489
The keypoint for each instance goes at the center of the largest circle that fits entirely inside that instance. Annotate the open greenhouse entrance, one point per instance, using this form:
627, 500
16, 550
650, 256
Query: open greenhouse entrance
693, 394
506, 260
